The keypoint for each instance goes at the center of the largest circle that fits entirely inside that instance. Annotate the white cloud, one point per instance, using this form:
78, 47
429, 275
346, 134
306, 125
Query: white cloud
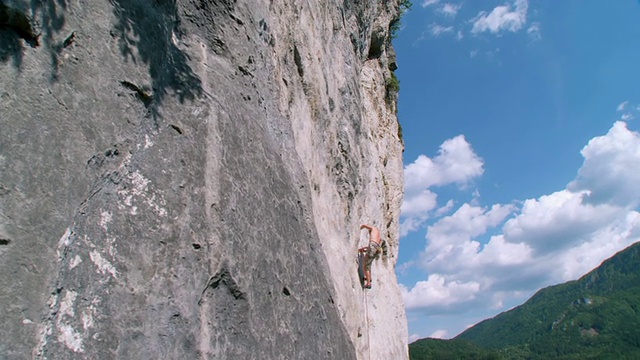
602, 244
534, 31
558, 221
627, 111
445, 209
411, 224
416, 210
437, 30
499, 253
439, 334
502, 18
622, 106
453, 252
455, 163
421, 203
609, 172
466, 223
548, 240
426, 3
450, 10
438, 293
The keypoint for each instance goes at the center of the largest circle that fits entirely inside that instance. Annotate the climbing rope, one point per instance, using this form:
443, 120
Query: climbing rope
366, 320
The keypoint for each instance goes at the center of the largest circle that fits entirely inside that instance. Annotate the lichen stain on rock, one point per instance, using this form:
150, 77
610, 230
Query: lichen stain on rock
105, 219
103, 265
64, 241
66, 305
139, 183
75, 262
140, 190
147, 142
71, 338
89, 313
66, 334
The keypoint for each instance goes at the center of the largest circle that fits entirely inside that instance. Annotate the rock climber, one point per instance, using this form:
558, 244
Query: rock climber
371, 252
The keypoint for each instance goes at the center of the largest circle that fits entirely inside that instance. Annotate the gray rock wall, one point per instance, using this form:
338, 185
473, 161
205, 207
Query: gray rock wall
186, 180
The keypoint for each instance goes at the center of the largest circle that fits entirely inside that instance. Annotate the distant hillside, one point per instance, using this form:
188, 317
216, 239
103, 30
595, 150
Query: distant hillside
457, 349
595, 317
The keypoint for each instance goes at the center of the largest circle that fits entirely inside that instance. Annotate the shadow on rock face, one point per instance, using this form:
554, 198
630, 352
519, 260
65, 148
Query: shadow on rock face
10, 47
15, 26
34, 22
147, 31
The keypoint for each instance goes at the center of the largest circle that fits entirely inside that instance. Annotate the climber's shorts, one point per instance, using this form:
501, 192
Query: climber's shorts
373, 250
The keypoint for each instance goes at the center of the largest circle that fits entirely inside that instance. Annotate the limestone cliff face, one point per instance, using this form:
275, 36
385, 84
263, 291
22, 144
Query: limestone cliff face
186, 179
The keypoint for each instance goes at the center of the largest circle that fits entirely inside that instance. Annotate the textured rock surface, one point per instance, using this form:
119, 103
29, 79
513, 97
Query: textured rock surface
187, 180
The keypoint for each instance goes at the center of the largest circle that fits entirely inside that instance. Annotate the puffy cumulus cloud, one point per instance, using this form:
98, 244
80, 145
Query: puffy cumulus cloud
439, 294
463, 273
452, 258
502, 270
452, 249
456, 163
463, 225
609, 172
501, 254
602, 244
501, 18
415, 211
557, 221
546, 240
571, 262
421, 203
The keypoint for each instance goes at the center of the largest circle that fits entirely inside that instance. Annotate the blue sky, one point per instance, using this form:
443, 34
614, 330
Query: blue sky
520, 120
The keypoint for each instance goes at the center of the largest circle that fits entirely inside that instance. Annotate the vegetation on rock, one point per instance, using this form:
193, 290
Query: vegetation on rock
403, 6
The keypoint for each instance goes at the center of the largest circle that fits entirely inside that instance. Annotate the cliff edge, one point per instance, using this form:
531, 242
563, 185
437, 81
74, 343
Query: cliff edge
187, 179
